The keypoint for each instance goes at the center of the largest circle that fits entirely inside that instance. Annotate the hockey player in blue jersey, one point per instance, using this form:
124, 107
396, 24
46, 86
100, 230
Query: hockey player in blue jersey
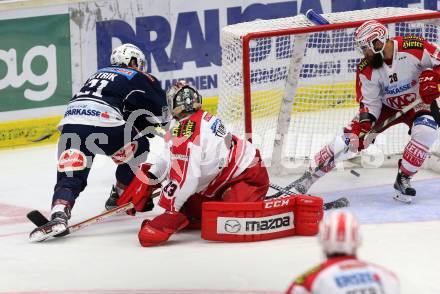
114, 114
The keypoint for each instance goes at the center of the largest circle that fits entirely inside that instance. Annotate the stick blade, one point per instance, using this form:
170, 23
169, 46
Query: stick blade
338, 203
37, 218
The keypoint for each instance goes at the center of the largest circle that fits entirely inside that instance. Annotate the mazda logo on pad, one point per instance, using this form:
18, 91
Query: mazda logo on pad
232, 226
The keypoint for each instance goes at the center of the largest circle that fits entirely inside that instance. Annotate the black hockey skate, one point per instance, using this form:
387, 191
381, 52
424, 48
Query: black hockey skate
55, 227
111, 201
404, 192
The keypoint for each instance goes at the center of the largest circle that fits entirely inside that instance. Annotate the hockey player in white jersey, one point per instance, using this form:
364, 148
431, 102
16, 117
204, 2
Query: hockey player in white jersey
202, 161
394, 73
343, 272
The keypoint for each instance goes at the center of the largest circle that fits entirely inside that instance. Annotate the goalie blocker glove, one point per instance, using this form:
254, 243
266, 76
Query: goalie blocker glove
256, 221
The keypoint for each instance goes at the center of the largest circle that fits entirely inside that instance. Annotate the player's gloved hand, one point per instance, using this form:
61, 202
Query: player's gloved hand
139, 191
428, 88
356, 133
159, 229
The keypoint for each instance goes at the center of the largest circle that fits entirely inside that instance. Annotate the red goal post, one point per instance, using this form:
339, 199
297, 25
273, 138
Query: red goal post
294, 87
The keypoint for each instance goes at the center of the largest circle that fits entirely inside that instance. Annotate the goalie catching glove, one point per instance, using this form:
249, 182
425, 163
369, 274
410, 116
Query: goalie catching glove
139, 191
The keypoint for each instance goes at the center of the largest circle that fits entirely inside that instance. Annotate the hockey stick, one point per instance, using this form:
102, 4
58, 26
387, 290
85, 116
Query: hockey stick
376, 129
38, 219
338, 203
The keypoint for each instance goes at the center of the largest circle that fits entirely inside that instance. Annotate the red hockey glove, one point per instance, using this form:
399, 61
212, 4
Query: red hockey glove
357, 131
159, 229
428, 88
139, 191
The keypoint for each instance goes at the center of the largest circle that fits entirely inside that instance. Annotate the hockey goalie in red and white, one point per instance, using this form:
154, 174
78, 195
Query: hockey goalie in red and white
394, 73
342, 272
203, 163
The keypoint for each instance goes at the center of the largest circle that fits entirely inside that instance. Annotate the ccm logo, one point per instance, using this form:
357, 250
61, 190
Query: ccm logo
426, 79
276, 203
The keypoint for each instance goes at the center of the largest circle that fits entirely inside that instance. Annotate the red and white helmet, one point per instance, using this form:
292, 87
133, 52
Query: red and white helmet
339, 233
368, 32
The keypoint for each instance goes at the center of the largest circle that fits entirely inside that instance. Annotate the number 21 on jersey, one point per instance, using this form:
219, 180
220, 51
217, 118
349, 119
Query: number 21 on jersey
93, 88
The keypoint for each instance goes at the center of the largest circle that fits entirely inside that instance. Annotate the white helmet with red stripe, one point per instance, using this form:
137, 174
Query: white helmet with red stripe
339, 233
367, 33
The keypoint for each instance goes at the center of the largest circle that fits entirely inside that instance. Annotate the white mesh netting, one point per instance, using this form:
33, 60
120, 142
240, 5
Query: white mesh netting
322, 69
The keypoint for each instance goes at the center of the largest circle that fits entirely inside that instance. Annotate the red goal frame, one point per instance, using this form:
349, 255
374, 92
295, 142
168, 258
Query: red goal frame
246, 39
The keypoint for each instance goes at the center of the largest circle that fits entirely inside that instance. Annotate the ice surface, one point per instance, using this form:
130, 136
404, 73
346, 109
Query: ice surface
107, 258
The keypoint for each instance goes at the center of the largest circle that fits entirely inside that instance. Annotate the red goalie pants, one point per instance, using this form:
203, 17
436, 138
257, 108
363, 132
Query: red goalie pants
250, 186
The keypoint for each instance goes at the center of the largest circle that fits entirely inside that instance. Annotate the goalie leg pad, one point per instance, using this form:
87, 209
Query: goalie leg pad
248, 221
308, 214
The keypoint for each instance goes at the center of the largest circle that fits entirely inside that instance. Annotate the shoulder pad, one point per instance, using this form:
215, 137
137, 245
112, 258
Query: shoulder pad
412, 42
207, 116
150, 77
184, 129
126, 72
302, 278
363, 65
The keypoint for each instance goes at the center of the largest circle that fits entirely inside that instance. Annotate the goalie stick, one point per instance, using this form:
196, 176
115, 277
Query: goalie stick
38, 219
338, 203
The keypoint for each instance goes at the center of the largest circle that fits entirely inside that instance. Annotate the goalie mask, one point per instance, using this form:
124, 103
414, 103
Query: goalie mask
183, 97
122, 55
339, 233
367, 33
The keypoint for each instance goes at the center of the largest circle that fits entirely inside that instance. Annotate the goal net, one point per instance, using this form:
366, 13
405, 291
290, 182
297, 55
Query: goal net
290, 84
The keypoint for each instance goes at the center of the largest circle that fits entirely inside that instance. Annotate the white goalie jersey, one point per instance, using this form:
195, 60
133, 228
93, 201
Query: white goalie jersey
200, 156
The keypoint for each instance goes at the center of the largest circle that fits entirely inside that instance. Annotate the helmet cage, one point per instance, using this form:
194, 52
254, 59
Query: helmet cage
182, 97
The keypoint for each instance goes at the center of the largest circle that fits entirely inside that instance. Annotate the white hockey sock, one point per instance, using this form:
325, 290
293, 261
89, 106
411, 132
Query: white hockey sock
423, 135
